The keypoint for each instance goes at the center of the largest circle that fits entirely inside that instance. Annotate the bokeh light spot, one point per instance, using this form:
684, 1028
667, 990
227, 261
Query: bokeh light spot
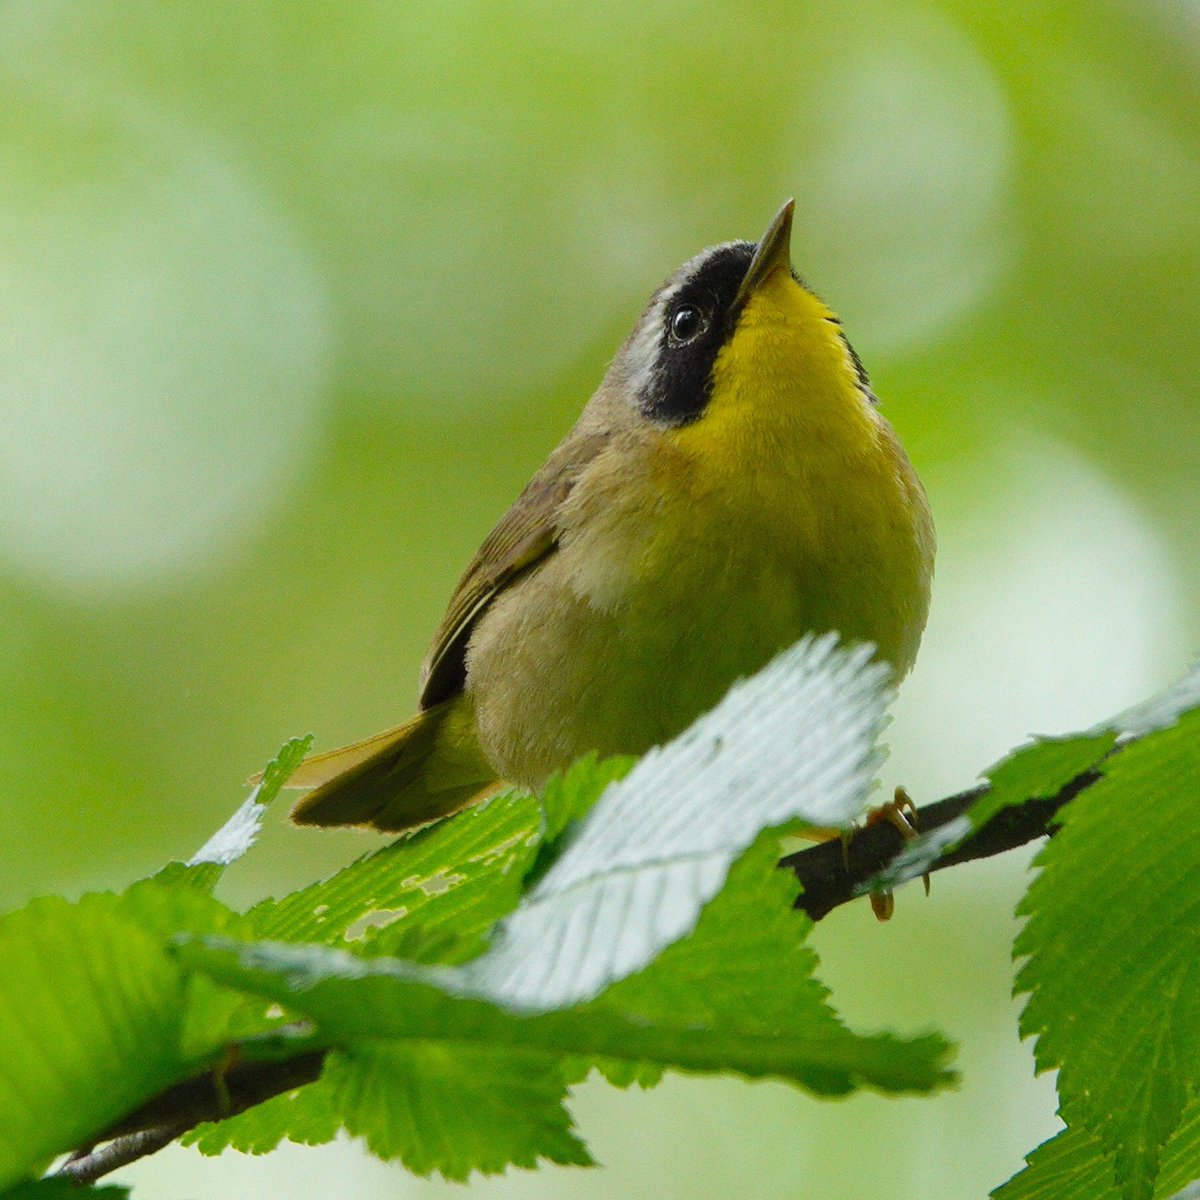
1056, 605
166, 342
903, 180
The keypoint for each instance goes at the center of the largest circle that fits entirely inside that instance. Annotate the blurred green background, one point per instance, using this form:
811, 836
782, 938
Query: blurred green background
295, 296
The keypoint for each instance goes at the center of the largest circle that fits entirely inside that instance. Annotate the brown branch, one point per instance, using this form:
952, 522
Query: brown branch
208, 1097
223, 1093
833, 875
830, 874
82, 1169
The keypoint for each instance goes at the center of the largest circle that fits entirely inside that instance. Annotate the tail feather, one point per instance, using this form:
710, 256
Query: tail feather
319, 769
425, 769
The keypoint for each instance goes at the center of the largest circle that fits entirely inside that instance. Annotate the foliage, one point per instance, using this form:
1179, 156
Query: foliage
456, 983
1113, 973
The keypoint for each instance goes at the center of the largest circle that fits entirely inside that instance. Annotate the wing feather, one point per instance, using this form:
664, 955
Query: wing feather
525, 535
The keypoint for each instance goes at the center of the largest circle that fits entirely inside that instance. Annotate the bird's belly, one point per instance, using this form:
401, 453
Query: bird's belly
555, 675
645, 615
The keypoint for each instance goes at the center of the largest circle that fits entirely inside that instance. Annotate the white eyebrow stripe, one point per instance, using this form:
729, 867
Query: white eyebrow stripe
643, 350
644, 347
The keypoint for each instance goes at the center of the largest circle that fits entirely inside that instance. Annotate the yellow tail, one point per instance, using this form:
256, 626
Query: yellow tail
427, 768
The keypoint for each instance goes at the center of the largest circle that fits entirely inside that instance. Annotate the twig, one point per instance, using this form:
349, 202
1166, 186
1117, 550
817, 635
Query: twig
82, 1169
173, 1112
831, 876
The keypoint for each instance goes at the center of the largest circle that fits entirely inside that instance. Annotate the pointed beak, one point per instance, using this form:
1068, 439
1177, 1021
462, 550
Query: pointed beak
774, 250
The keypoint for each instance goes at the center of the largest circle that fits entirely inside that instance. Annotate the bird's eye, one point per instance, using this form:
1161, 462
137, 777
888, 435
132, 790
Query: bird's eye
687, 323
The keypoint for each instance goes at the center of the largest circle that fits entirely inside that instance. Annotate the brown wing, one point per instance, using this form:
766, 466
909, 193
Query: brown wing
526, 534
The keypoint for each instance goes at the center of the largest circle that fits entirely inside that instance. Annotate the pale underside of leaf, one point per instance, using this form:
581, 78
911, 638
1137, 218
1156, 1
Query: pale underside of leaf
797, 741
239, 833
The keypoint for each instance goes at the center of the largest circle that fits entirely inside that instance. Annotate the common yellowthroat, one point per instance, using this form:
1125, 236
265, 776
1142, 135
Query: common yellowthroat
730, 487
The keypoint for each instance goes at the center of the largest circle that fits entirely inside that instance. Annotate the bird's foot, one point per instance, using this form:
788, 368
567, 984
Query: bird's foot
901, 813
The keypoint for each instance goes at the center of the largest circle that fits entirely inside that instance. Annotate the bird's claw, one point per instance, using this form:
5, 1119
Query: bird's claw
901, 813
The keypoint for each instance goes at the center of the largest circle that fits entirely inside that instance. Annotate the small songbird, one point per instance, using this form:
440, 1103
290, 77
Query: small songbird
730, 487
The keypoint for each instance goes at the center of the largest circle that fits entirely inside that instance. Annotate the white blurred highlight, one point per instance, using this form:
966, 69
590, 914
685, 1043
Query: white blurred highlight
166, 345
1056, 605
902, 193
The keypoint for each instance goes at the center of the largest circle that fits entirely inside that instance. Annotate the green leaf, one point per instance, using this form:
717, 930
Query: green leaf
1072, 1165
203, 877
1038, 771
457, 877
91, 1011
306, 1116
213, 1016
620, 1074
569, 795
455, 1109
797, 741
746, 973
281, 768
96, 1015
1112, 971
62, 1189
738, 995
354, 998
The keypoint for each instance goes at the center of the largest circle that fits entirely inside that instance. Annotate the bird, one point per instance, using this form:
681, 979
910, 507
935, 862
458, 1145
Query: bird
730, 487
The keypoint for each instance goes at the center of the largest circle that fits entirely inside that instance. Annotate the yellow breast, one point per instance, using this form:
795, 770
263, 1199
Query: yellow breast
804, 459
690, 556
